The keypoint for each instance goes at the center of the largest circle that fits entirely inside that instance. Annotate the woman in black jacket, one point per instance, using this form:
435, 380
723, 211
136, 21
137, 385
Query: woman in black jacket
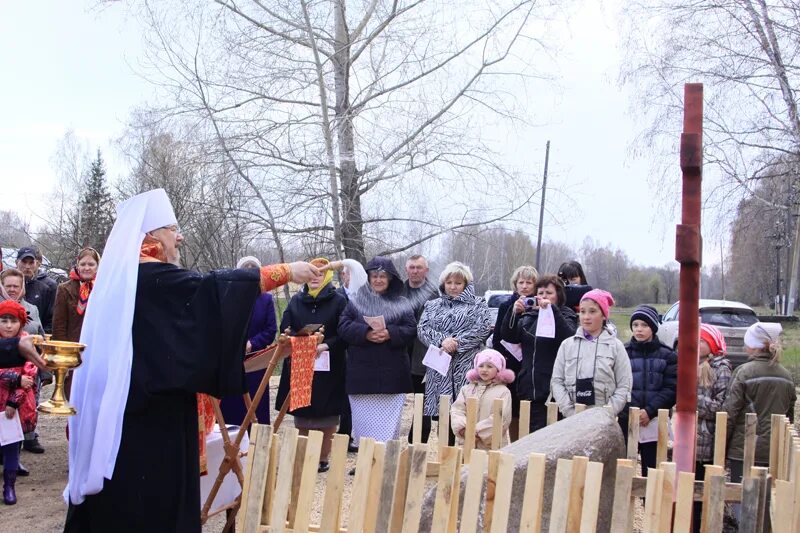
538, 353
318, 303
655, 378
378, 324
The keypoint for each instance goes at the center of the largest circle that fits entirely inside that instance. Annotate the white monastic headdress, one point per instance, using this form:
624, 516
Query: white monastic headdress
100, 386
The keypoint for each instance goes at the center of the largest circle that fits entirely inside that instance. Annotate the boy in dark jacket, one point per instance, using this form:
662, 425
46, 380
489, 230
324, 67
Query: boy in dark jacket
655, 377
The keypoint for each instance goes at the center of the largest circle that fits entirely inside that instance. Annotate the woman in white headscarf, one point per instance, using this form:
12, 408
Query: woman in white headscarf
762, 386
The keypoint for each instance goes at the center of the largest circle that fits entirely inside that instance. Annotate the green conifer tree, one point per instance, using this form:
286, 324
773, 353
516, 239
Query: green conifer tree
96, 208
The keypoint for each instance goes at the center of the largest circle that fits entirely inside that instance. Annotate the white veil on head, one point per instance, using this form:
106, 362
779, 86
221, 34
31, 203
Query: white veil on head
100, 386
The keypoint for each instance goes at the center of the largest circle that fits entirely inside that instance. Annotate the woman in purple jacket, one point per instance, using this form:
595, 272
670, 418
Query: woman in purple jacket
260, 334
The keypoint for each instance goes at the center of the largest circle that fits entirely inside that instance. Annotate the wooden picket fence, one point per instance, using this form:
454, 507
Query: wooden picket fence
390, 483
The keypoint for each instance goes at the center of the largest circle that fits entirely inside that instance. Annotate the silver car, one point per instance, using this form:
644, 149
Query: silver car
732, 318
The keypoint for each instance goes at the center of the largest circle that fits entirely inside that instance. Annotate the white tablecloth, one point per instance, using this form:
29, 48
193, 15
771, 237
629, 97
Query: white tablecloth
230, 488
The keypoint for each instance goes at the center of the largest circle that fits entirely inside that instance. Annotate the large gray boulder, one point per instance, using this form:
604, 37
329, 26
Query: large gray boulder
593, 433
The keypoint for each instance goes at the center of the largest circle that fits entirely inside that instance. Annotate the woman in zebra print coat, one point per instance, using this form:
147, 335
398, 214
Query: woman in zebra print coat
458, 322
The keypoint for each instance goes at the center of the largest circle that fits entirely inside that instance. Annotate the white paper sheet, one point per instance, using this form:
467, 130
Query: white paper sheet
649, 433
437, 359
377, 323
10, 429
513, 349
323, 362
546, 323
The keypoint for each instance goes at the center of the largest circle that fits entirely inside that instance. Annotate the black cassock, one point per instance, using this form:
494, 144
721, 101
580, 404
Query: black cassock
188, 336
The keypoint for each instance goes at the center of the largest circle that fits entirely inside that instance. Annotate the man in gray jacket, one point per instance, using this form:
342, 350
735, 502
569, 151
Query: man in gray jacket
418, 290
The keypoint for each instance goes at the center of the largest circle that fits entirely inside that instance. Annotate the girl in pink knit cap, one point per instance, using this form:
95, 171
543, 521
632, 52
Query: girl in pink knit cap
487, 382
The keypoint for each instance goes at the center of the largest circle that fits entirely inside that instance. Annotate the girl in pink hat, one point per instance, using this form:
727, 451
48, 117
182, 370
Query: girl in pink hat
486, 381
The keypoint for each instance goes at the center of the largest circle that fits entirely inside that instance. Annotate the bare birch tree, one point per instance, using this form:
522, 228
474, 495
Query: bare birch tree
356, 123
745, 52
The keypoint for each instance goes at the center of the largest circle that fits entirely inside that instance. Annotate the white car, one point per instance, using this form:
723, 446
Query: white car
493, 300
732, 318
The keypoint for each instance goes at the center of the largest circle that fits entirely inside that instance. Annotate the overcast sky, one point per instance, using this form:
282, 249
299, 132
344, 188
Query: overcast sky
67, 66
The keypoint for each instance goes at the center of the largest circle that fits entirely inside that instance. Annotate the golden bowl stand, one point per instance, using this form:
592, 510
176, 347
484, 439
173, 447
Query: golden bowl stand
61, 357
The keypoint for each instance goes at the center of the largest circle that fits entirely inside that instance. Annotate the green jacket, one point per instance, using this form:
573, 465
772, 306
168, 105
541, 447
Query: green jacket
760, 387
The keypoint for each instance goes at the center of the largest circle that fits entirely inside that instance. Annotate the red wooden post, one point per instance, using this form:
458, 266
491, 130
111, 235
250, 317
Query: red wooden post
688, 252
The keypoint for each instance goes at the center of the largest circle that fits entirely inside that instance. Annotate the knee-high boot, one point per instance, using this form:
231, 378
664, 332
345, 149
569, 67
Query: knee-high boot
9, 492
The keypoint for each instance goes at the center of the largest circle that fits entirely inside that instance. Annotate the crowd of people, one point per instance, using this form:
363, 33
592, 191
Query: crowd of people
552, 340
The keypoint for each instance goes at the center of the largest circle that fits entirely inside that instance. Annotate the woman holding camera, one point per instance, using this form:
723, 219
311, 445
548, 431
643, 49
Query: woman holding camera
520, 326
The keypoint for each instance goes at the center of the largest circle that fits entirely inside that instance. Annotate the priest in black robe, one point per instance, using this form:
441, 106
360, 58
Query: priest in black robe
188, 333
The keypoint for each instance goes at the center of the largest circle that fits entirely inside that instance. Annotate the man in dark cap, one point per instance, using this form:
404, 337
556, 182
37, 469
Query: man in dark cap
37, 292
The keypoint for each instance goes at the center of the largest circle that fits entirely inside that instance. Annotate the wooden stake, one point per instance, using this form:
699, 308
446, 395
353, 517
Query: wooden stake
444, 422
751, 492
591, 497
416, 434
308, 481
400, 491
552, 413
652, 501
579, 464
283, 489
622, 514
444, 490
711, 471
502, 495
497, 423
633, 435
469, 432
663, 436
416, 488
375, 485
256, 479
761, 473
784, 507
684, 503
472, 492
720, 438
300, 454
533, 497
751, 421
775, 443
716, 504
334, 484
391, 462
360, 490
491, 488
561, 487
579, 408
667, 492
524, 418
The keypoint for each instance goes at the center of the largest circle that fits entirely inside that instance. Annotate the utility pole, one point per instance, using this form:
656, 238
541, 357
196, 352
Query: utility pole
541, 208
722, 266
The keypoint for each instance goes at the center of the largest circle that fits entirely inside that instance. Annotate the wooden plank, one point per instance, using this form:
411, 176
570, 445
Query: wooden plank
652, 502
334, 484
622, 513
720, 438
272, 476
667, 492
751, 491
750, 423
360, 490
416, 488
663, 436
783, 507
469, 432
300, 454
308, 482
761, 473
633, 435
416, 434
444, 421
375, 484
524, 418
560, 507
716, 504
591, 497
502, 495
454, 501
255, 479
552, 413
684, 503
491, 487
400, 491
390, 464
497, 423
711, 471
444, 490
533, 497
577, 482
579, 408
472, 491
795, 478
775, 443
283, 488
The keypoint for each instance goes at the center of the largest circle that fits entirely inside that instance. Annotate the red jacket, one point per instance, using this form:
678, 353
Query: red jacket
12, 394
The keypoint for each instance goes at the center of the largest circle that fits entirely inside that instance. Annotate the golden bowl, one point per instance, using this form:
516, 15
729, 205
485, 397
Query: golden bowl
60, 357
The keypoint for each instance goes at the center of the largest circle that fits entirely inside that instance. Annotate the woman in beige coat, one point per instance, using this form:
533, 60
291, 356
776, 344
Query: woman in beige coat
486, 381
